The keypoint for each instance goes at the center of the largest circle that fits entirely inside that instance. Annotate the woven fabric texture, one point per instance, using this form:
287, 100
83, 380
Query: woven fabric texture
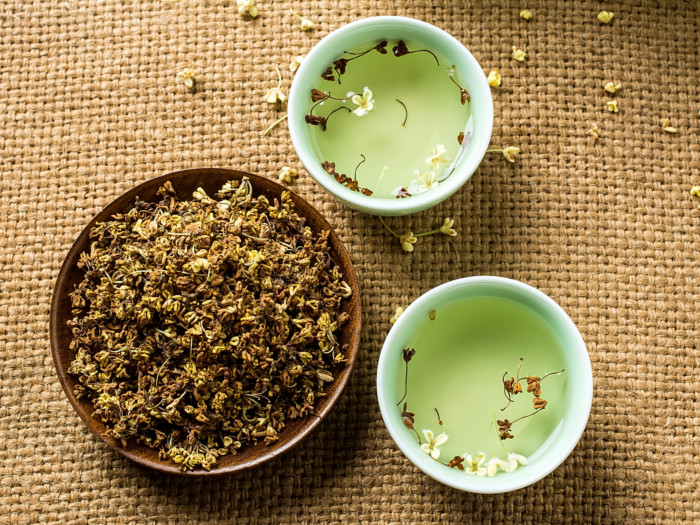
608, 228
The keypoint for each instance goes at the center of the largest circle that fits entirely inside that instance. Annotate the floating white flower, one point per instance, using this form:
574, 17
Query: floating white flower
429, 182
364, 102
512, 461
474, 465
432, 444
438, 157
493, 464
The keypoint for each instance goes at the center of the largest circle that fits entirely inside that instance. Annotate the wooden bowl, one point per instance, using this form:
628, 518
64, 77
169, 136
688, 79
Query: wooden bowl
184, 183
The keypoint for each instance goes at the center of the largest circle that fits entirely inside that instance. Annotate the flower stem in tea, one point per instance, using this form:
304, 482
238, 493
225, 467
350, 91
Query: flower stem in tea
400, 50
360, 164
405, 112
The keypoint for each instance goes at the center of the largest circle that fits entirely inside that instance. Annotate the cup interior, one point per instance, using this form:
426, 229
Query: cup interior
462, 332
369, 32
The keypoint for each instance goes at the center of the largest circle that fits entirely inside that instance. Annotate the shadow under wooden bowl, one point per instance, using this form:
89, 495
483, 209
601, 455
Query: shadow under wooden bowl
184, 183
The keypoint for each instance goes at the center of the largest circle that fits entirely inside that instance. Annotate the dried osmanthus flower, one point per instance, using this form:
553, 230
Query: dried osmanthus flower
605, 17
509, 153
512, 387
397, 314
288, 174
247, 8
666, 126
612, 106
306, 24
494, 78
408, 239
296, 62
519, 54
275, 95
202, 326
187, 76
612, 87
526, 14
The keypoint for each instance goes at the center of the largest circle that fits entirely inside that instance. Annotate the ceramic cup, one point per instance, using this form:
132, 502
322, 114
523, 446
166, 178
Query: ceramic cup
541, 319
370, 31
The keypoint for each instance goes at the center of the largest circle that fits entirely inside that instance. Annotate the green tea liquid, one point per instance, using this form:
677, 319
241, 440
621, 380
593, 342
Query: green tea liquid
413, 89
458, 368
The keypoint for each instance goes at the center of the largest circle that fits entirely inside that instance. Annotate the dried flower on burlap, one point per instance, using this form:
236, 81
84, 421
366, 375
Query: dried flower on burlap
205, 325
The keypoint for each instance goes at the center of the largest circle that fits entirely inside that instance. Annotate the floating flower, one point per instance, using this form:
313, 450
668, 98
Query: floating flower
397, 314
605, 17
407, 241
296, 62
287, 174
493, 464
275, 95
432, 443
612, 106
438, 157
364, 102
510, 152
247, 7
429, 182
306, 24
473, 465
518, 54
611, 87
512, 461
446, 227
187, 75
494, 78
525, 14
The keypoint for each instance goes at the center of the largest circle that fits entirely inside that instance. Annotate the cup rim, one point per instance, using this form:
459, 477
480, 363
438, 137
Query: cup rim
546, 461
384, 205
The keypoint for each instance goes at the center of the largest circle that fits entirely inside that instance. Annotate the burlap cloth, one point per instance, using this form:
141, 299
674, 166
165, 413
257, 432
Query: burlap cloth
91, 106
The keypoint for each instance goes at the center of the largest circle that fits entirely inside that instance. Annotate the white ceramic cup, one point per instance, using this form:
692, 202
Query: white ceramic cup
575, 404
373, 30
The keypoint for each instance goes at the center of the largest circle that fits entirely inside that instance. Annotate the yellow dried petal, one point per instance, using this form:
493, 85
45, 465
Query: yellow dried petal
612, 106
525, 14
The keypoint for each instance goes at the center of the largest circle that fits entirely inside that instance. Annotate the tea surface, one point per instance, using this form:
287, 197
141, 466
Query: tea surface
458, 368
416, 107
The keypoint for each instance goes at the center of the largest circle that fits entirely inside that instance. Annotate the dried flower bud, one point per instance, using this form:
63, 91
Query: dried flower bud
519, 54
605, 17
247, 7
296, 62
611, 87
539, 403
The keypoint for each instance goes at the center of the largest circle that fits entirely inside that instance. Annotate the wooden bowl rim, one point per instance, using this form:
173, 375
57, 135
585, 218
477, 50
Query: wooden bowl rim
250, 456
